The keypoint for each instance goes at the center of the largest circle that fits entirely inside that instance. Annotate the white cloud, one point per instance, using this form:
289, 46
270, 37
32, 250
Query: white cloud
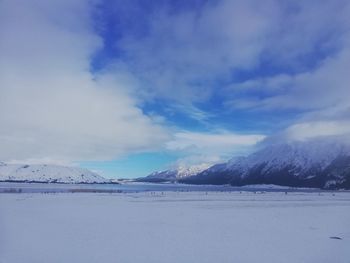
316, 45
321, 96
310, 130
336, 130
212, 147
51, 106
319, 93
183, 53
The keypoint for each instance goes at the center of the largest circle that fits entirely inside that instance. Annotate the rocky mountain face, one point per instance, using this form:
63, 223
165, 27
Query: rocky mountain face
320, 164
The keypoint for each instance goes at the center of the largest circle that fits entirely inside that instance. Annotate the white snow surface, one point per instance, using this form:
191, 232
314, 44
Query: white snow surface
184, 171
48, 173
171, 227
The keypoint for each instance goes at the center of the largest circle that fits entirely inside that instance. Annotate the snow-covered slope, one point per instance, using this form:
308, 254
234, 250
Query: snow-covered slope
183, 171
304, 155
174, 174
159, 176
48, 174
317, 163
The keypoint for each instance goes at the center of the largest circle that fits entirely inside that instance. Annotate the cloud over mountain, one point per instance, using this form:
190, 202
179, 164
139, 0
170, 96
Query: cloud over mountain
96, 80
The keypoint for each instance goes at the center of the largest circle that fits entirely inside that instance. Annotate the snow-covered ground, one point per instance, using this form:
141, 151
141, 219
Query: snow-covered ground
175, 227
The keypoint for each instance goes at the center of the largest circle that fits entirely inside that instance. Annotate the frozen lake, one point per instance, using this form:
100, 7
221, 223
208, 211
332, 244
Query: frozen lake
170, 226
6, 187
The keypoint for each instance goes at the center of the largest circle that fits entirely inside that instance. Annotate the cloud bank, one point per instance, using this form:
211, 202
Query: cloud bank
51, 105
75, 76
250, 56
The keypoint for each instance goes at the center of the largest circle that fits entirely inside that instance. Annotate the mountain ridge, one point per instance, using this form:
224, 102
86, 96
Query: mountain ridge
320, 163
44, 173
172, 175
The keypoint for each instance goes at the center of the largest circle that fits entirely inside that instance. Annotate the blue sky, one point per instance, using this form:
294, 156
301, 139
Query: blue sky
128, 87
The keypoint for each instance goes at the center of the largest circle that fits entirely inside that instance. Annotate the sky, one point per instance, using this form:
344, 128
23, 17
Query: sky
126, 87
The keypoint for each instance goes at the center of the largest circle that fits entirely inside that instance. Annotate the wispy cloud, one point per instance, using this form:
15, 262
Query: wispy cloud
183, 53
205, 147
335, 130
295, 54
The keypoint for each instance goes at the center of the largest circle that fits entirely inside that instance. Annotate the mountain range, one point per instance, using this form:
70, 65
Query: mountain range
315, 163
173, 175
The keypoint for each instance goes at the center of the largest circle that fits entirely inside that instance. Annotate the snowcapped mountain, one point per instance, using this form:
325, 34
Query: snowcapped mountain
174, 174
48, 174
316, 163
185, 171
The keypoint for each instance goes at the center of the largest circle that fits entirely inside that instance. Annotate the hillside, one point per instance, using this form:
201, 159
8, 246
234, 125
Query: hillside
321, 164
48, 174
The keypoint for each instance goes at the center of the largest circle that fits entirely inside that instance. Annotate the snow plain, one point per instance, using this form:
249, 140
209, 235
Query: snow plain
167, 227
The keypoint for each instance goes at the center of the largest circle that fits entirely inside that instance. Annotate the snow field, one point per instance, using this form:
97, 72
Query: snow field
171, 227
